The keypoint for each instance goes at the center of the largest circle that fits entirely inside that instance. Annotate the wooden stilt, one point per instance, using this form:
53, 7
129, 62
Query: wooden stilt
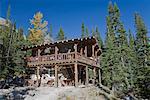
76, 74
56, 76
37, 74
87, 76
99, 72
94, 72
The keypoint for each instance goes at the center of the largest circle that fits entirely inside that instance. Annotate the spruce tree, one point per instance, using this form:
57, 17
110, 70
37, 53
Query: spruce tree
109, 51
143, 53
132, 60
61, 35
12, 62
82, 30
8, 13
86, 32
97, 35
51, 30
115, 52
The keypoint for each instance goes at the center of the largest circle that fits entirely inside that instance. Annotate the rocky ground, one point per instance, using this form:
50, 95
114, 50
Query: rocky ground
52, 93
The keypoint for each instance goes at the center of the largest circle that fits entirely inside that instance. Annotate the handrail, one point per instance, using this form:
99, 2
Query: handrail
62, 57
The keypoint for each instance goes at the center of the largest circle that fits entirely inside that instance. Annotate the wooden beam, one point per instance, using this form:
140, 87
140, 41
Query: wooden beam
76, 74
94, 72
37, 74
75, 50
87, 76
56, 52
75, 47
56, 76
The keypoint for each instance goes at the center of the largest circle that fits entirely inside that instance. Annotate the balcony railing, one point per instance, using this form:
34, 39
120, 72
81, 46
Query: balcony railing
61, 58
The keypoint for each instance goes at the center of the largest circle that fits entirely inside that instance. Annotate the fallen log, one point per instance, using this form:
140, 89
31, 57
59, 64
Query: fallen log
108, 93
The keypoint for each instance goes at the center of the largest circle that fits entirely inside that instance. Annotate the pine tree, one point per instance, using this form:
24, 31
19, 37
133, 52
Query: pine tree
97, 35
8, 13
124, 56
82, 30
12, 62
109, 52
61, 35
143, 53
132, 61
51, 30
115, 51
86, 32
93, 32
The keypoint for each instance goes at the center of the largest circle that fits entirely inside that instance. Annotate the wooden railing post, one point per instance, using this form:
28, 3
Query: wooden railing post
56, 52
75, 50
85, 51
93, 52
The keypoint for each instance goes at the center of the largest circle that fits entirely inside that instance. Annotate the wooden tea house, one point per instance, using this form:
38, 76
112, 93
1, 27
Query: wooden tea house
75, 59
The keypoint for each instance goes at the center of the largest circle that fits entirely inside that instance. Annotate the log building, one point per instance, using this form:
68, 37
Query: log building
72, 58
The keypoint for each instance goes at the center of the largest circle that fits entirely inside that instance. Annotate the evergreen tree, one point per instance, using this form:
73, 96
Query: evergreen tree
86, 32
51, 30
82, 30
143, 53
97, 35
124, 56
108, 55
132, 59
61, 35
93, 32
115, 53
8, 13
12, 58
12, 62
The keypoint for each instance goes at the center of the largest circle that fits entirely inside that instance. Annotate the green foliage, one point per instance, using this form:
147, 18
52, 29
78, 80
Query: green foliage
11, 56
143, 57
61, 35
115, 58
12, 62
86, 32
51, 30
125, 60
82, 30
8, 13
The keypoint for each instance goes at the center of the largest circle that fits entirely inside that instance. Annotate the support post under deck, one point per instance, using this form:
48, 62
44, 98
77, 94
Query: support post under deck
99, 72
76, 74
87, 76
56, 76
37, 75
94, 72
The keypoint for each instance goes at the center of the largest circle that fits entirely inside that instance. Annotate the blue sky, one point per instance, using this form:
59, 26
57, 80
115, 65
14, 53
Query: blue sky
69, 14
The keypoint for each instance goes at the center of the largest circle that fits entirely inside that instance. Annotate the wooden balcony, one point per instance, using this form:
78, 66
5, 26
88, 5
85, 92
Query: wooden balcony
61, 58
